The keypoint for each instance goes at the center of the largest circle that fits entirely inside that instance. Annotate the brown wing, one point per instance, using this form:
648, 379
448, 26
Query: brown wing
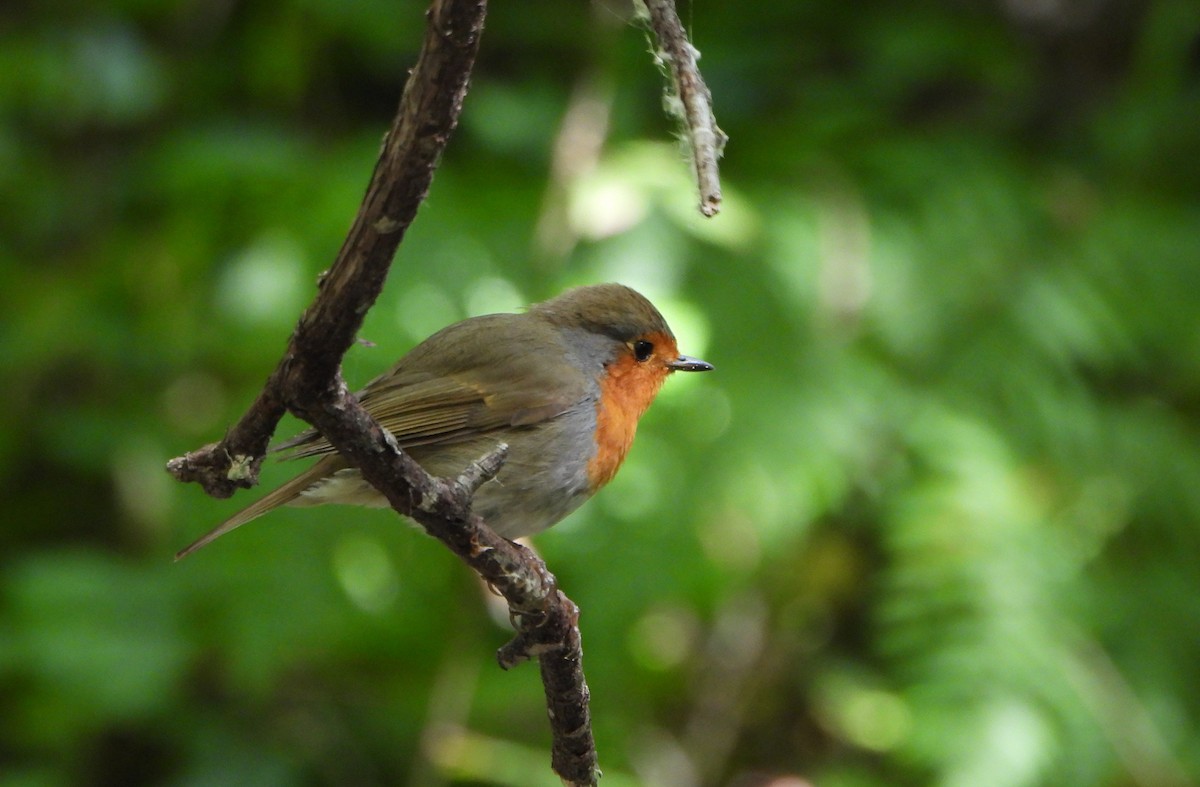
474, 377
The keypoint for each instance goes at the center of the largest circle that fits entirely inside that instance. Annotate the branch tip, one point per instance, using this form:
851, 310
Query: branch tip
483, 469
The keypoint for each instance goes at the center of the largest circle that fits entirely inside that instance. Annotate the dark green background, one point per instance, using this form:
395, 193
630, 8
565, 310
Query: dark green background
932, 521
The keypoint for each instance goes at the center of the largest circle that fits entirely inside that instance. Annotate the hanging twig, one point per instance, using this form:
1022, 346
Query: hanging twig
689, 100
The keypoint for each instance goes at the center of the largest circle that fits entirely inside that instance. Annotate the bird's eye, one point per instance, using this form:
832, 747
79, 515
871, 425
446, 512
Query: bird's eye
642, 349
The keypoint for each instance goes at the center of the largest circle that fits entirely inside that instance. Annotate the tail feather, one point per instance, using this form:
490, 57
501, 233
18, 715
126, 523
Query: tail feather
278, 497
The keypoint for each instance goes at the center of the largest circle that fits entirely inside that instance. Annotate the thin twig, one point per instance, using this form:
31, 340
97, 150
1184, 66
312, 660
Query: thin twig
704, 138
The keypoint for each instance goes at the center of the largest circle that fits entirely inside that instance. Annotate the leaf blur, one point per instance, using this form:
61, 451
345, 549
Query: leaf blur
933, 520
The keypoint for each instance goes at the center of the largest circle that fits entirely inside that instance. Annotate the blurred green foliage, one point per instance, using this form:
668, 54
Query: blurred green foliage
932, 521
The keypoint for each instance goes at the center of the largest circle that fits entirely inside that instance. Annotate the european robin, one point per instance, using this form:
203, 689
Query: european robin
563, 384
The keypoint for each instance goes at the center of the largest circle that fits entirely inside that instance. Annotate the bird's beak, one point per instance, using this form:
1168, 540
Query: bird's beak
686, 363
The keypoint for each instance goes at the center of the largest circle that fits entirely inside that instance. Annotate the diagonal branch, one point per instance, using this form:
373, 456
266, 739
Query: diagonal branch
308, 382
428, 113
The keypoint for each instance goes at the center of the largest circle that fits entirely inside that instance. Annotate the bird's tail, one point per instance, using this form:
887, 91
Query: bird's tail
278, 497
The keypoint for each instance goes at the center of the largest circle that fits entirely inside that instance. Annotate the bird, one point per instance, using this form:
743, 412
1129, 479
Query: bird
563, 384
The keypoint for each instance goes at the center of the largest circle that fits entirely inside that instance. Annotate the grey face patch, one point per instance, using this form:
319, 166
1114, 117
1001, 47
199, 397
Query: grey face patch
590, 352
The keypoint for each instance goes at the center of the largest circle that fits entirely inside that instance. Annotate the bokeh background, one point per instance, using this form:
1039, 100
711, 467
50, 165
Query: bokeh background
932, 521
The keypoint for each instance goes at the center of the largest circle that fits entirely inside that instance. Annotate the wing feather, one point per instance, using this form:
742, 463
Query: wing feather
429, 399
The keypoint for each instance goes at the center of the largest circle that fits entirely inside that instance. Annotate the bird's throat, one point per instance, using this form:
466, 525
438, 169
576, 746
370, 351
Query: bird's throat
626, 390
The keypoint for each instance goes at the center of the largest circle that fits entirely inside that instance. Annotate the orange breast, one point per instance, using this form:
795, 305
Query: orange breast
626, 391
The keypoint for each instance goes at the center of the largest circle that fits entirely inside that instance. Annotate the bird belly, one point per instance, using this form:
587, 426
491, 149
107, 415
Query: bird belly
544, 479
530, 493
